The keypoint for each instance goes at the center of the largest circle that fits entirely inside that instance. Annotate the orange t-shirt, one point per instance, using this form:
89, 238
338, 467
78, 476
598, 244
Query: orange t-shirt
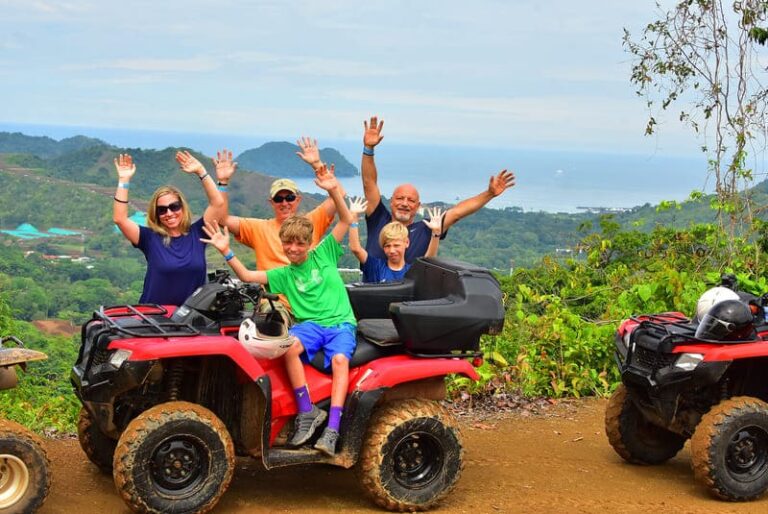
264, 237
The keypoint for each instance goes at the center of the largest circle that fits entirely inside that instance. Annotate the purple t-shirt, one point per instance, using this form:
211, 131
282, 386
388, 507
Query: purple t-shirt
419, 235
376, 270
174, 271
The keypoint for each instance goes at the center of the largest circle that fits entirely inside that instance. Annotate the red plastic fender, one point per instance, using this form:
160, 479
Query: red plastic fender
399, 369
144, 349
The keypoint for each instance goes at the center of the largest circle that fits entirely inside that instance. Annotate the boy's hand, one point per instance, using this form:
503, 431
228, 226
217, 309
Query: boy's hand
357, 206
125, 167
224, 166
217, 238
435, 220
326, 178
309, 152
372, 135
189, 163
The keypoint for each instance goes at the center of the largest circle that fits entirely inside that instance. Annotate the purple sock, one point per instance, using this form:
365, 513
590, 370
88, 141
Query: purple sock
302, 398
334, 420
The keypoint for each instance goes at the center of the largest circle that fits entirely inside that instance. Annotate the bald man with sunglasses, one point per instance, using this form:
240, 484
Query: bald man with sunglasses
285, 198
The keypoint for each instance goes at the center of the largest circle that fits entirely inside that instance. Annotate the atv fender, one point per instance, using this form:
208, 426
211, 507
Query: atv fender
391, 371
172, 347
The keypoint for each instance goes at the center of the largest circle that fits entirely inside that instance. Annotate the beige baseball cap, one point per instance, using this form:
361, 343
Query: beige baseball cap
283, 184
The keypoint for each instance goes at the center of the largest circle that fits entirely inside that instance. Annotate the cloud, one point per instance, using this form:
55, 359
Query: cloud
182, 65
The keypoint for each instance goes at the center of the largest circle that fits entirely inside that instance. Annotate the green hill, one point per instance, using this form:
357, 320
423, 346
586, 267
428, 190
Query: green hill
279, 159
44, 147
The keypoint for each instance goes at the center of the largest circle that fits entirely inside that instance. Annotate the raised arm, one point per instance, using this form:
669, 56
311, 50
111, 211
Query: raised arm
125, 170
216, 209
326, 180
371, 137
496, 186
310, 153
356, 207
220, 240
435, 225
225, 169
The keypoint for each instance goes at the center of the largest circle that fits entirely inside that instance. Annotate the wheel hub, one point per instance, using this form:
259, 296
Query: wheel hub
14, 480
418, 458
747, 454
178, 465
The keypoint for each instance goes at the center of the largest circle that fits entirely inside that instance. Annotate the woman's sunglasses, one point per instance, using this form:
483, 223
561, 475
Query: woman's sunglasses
173, 207
290, 197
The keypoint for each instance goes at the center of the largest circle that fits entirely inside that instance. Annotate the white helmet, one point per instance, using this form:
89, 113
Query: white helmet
711, 297
263, 346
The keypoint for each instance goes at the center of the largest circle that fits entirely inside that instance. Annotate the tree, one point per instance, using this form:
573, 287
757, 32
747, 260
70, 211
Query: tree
703, 54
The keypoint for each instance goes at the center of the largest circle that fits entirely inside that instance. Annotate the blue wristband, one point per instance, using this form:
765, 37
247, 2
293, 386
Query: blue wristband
223, 189
229, 256
123, 185
368, 150
353, 225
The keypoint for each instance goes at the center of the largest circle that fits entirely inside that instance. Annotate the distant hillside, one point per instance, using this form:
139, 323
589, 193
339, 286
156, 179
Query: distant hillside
44, 147
279, 159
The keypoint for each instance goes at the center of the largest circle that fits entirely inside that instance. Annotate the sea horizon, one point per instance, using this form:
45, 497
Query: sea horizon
549, 180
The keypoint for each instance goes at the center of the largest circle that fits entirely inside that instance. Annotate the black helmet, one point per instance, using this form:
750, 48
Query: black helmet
729, 320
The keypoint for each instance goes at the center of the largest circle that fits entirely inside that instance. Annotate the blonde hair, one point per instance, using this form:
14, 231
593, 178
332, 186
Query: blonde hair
296, 228
392, 231
153, 220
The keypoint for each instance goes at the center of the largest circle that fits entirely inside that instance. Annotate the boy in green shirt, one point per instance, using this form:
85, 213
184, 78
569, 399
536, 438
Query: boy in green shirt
316, 292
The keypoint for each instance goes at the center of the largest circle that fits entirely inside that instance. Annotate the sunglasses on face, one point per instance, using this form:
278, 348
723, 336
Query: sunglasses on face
173, 207
290, 197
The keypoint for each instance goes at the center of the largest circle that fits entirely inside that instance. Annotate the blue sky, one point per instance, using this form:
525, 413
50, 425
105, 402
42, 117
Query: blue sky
516, 74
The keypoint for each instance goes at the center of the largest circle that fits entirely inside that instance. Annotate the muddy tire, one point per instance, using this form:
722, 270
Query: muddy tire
634, 438
175, 457
412, 455
25, 478
99, 448
729, 449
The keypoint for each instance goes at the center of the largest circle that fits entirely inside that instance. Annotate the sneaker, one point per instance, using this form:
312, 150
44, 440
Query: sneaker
305, 425
327, 441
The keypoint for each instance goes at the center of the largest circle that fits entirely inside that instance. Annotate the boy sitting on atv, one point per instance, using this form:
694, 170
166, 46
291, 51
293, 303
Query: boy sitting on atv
325, 320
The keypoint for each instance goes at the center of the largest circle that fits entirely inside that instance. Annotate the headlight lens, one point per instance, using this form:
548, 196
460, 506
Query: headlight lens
119, 357
688, 361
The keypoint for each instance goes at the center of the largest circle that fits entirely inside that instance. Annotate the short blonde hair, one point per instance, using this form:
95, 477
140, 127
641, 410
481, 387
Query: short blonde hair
296, 228
393, 231
153, 220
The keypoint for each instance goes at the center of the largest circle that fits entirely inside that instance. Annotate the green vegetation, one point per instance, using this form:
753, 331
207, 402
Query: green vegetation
278, 159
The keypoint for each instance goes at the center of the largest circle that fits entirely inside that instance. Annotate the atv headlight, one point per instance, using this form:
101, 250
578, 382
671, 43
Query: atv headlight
688, 361
119, 357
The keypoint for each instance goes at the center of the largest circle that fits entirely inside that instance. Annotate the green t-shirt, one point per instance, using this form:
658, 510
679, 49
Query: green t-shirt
314, 288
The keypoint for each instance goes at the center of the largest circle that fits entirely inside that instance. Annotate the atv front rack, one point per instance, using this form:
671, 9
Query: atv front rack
141, 324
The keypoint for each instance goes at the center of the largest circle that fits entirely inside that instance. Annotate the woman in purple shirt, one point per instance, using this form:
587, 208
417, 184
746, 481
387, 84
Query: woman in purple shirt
171, 242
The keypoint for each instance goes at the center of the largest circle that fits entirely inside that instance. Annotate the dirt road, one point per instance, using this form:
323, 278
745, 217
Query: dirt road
558, 462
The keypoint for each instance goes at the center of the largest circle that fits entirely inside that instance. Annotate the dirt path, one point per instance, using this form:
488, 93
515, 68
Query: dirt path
559, 462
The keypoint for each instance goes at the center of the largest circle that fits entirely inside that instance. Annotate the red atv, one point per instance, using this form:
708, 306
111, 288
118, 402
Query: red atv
171, 397
699, 379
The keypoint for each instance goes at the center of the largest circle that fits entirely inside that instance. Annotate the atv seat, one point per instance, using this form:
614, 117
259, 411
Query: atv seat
364, 352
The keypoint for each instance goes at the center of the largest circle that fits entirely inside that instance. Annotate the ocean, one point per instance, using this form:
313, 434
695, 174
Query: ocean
546, 180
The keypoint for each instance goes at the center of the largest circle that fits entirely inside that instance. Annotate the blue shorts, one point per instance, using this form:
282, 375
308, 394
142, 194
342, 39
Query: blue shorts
339, 339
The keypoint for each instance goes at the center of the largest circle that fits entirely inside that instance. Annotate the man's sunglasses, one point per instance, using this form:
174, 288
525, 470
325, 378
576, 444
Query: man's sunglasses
290, 197
173, 207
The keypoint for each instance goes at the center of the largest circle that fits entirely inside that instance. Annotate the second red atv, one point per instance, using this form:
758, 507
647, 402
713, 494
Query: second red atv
170, 398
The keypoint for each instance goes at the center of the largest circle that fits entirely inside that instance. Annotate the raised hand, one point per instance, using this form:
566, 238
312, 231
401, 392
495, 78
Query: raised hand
357, 206
435, 221
216, 237
372, 135
125, 167
189, 163
223, 165
501, 182
309, 152
325, 177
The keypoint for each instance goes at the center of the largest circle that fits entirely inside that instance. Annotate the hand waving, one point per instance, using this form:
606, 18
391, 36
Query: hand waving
501, 182
435, 222
309, 152
357, 206
326, 177
189, 163
216, 237
125, 167
372, 135
224, 166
